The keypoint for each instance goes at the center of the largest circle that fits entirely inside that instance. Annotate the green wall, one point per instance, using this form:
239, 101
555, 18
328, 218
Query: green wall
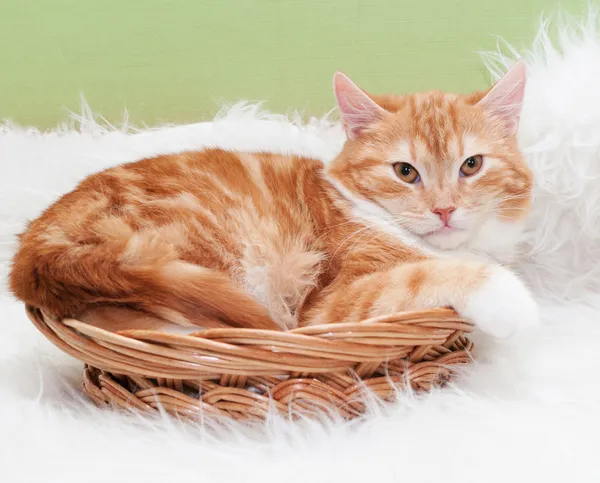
174, 60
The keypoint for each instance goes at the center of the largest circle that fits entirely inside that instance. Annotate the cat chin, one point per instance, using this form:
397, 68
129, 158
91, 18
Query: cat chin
448, 239
495, 240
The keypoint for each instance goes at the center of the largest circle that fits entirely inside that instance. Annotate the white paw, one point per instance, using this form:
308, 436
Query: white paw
502, 306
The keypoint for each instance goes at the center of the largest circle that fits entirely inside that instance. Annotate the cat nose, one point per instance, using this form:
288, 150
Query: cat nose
444, 213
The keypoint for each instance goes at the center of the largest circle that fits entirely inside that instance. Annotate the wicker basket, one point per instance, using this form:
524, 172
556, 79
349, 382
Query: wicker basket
244, 373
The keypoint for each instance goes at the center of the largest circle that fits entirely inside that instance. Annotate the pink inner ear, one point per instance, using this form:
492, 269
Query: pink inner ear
357, 109
505, 100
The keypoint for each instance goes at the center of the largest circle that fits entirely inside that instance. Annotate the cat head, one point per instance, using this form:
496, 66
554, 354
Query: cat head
444, 167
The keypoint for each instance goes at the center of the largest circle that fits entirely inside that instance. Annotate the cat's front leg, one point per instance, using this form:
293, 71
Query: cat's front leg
489, 295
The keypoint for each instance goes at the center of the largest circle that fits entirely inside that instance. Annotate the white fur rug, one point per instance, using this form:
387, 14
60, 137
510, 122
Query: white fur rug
528, 411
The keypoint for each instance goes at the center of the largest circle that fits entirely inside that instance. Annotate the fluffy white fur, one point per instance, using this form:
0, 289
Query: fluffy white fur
527, 411
560, 136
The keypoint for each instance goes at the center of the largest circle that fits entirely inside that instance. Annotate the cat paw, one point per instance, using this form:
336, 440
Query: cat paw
502, 306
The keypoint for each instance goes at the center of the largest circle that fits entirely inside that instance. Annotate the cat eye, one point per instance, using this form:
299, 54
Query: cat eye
407, 173
471, 165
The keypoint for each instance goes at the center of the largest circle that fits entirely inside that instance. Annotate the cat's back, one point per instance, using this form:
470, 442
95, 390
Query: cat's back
252, 216
152, 190
210, 204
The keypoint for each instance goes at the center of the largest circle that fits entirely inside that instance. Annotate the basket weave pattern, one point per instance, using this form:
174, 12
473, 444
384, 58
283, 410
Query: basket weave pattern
244, 373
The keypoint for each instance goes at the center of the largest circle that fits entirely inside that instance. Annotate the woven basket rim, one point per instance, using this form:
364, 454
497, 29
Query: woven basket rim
245, 373
314, 349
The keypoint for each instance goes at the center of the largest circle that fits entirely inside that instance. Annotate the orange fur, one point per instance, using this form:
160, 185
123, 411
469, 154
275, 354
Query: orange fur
266, 241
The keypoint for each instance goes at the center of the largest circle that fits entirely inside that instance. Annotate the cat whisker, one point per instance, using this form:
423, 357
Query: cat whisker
348, 238
367, 243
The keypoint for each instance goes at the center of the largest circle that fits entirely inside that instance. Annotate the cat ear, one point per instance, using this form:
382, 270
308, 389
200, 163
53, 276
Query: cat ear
358, 110
505, 99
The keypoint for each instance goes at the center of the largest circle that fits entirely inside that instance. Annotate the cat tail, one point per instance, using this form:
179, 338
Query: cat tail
65, 282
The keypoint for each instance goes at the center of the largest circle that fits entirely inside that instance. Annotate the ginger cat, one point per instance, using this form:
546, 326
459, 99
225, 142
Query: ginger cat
425, 185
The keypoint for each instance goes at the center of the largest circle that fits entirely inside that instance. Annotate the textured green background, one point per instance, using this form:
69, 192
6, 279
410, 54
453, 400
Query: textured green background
175, 60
